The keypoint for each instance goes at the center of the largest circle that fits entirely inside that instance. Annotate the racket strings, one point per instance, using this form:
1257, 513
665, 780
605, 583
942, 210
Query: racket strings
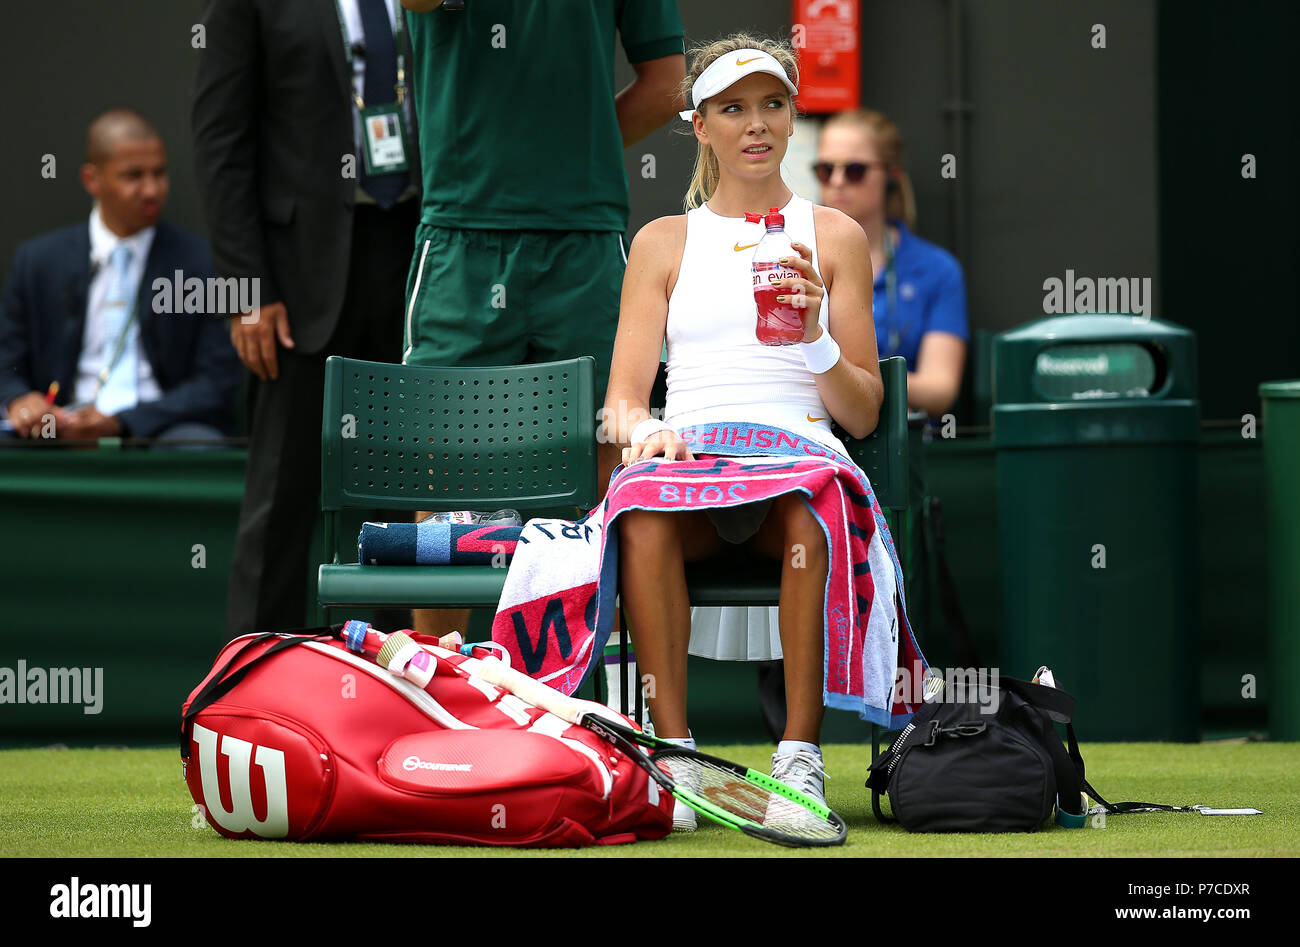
736, 795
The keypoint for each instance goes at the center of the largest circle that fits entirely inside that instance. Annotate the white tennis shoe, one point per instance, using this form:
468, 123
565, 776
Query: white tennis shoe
687, 775
803, 771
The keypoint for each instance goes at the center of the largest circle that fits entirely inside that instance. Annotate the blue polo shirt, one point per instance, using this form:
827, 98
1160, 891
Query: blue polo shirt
930, 297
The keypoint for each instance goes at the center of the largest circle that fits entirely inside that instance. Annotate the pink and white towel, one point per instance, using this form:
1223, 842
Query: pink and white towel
557, 607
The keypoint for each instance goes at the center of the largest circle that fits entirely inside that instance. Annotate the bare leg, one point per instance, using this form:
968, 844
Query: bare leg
653, 545
440, 621
792, 534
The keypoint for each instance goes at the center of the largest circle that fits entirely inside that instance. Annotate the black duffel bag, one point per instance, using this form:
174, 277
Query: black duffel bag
983, 756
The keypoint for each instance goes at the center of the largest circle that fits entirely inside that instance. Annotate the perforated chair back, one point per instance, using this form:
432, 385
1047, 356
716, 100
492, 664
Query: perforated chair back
882, 454
414, 437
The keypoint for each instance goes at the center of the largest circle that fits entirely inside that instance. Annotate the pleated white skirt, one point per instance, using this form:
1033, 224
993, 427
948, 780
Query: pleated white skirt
736, 633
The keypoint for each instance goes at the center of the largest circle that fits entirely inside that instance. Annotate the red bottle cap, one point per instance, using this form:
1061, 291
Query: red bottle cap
774, 218
752, 218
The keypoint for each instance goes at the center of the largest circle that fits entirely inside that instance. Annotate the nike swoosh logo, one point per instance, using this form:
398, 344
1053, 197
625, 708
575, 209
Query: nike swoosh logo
741, 62
814, 420
745, 247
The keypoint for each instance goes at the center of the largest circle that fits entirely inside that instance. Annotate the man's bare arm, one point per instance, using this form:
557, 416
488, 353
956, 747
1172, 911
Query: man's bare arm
651, 98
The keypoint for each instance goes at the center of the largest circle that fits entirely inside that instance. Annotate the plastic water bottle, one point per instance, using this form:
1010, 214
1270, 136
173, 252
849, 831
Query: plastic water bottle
778, 323
499, 518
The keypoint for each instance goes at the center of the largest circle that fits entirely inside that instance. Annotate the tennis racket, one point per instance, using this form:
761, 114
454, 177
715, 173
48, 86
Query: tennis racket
736, 796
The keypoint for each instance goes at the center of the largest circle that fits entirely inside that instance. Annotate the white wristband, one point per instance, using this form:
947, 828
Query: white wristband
821, 355
646, 428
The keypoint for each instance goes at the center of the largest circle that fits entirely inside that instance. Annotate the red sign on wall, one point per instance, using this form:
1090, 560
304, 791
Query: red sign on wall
825, 35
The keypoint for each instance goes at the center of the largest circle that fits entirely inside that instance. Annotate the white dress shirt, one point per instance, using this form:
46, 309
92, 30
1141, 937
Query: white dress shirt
355, 33
96, 346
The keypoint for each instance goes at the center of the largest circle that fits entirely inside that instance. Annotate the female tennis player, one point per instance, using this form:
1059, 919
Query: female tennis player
688, 283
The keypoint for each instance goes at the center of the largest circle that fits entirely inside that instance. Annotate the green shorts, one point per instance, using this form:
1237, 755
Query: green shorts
512, 297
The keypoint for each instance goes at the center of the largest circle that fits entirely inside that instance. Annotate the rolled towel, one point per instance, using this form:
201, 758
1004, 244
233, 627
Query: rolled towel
436, 544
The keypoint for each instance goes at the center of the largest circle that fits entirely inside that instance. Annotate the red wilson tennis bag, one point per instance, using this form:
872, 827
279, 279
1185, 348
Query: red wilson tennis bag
295, 736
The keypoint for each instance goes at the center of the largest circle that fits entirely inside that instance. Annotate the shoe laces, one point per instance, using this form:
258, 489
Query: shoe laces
798, 766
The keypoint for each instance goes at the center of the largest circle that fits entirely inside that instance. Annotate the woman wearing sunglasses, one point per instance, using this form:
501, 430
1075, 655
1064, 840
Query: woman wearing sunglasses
688, 283
919, 291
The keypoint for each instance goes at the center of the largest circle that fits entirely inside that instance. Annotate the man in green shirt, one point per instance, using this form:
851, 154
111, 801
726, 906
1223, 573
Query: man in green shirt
519, 255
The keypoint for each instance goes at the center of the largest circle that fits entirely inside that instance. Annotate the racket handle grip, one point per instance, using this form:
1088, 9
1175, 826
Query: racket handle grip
538, 694
358, 636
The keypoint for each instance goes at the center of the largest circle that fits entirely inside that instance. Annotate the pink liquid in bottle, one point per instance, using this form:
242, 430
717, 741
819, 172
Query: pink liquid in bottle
779, 323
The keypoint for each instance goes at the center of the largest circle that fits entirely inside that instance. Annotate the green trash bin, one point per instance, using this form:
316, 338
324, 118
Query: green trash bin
1095, 423
1281, 429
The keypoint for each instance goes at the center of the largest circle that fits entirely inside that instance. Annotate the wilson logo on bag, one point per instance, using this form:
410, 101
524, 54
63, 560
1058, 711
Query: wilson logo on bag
240, 817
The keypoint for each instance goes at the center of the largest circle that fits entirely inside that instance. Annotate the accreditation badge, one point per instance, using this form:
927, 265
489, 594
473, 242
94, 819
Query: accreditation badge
383, 131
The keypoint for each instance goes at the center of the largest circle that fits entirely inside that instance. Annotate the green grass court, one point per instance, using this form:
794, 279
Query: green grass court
133, 803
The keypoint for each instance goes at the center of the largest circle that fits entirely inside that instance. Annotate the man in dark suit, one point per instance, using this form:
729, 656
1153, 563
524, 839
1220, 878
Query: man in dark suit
89, 308
298, 195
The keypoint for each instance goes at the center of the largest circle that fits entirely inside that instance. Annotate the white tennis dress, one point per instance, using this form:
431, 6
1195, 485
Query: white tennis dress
719, 371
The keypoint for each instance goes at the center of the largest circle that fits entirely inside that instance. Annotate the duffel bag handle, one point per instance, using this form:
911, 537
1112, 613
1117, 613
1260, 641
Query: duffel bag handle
222, 682
1059, 705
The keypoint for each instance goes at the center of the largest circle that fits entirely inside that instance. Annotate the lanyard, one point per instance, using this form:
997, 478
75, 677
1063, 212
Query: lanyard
400, 88
891, 293
118, 349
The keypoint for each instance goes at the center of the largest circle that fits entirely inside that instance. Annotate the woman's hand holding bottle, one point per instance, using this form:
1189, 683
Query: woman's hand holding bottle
786, 287
805, 292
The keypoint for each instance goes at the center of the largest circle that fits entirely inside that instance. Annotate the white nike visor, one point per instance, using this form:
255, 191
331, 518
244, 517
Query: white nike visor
727, 70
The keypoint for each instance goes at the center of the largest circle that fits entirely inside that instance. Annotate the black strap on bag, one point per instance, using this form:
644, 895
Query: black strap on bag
222, 682
1071, 778
1059, 705
1068, 771
1116, 807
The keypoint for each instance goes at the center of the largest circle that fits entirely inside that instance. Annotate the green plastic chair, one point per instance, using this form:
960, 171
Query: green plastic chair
407, 437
